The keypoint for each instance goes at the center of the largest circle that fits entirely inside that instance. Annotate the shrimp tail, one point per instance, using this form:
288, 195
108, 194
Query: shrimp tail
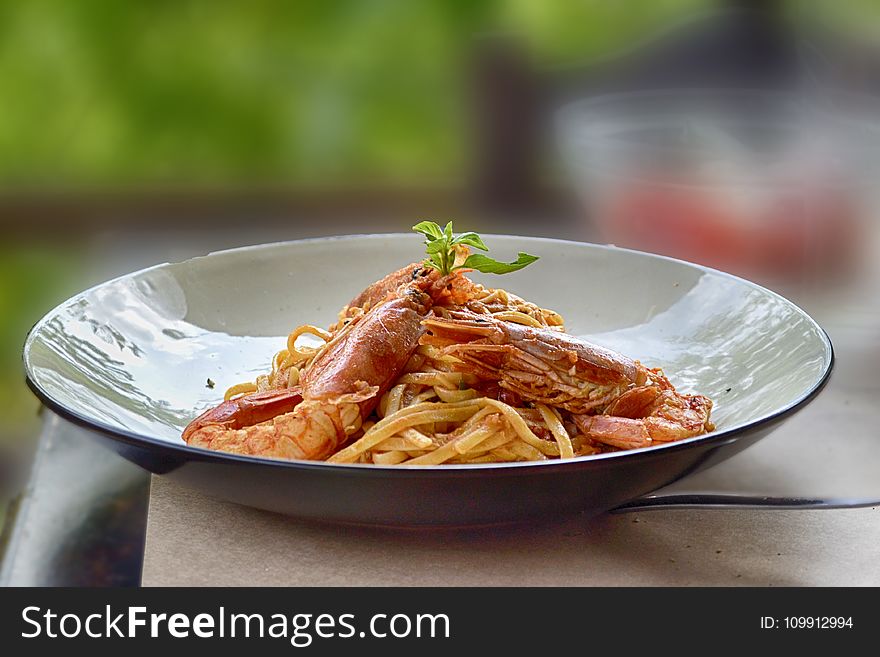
246, 410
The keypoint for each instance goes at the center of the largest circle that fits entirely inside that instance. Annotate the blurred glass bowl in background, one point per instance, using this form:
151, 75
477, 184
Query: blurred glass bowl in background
761, 184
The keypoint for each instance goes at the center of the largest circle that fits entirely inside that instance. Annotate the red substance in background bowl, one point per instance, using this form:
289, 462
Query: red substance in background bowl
788, 233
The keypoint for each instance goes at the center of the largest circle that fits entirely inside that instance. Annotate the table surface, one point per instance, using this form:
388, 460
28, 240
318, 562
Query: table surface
195, 541
829, 448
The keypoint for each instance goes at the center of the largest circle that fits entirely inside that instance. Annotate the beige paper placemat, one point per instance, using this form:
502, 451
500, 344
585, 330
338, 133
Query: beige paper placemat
193, 540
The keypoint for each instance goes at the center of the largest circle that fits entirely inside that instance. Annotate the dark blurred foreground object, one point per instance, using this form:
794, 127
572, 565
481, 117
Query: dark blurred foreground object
731, 139
81, 519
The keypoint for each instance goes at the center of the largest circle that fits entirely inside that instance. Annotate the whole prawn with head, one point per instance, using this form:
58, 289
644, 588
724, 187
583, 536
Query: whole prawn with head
368, 348
612, 400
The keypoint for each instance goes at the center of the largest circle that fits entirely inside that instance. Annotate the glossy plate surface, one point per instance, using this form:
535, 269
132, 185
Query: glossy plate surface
131, 358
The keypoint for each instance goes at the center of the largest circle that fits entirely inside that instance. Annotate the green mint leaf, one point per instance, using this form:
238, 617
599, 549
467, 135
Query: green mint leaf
487, 265
440, 248
429, 229
471, 239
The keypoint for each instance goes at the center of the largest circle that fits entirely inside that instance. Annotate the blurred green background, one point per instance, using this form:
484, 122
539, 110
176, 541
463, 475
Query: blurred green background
101, 92
31, 279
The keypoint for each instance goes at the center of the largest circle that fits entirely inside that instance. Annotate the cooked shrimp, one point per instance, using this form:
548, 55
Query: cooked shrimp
612, 399
540, 365
339, 389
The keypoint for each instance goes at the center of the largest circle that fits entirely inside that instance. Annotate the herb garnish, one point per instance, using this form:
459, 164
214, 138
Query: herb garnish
440, 246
